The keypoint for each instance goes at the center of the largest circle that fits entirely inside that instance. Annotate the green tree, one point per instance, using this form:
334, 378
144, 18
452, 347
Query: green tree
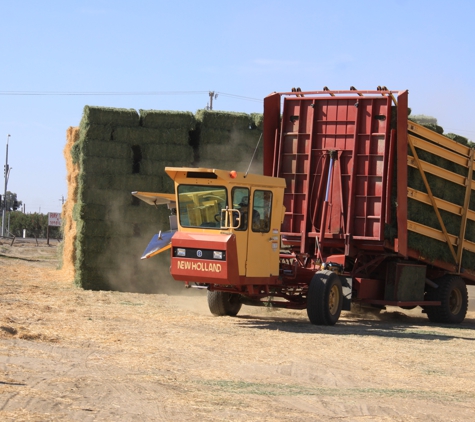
12, 201
36, 225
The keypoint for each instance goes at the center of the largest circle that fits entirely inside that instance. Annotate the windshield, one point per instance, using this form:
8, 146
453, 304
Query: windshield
200, 206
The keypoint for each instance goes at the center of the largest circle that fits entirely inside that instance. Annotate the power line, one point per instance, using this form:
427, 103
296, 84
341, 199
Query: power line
58, 93
131, 93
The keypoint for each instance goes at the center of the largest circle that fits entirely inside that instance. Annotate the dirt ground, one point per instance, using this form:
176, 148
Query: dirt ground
73, 355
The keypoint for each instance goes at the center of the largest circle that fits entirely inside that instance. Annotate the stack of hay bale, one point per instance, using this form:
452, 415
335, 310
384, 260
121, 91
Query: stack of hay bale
119, 151
442, 189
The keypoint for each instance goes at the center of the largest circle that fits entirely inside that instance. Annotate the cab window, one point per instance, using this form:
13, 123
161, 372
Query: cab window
200, 206
240, 198
261, 211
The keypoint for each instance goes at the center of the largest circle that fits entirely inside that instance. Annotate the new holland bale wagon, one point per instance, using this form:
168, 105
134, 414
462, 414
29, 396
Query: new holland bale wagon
357, 204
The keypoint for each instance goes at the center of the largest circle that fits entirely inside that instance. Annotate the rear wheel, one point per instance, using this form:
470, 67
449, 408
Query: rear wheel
324, 298
224, 303
452, 293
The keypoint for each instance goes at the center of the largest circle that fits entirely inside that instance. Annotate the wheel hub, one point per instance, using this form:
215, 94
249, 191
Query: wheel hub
455, 301
333, 299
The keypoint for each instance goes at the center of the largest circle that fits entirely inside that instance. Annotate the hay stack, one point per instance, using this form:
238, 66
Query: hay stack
119, 151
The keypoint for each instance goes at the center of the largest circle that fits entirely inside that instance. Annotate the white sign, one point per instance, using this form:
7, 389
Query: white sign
54, 219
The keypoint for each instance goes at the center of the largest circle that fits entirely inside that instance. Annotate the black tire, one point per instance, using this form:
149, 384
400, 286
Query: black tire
224, 303
324, 298
452, 292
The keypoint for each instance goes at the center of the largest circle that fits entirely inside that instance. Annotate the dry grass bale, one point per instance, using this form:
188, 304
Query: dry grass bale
220, 120
89, 211
95, 131
167, 119
457, 138
69, 224
109, 116
98, 147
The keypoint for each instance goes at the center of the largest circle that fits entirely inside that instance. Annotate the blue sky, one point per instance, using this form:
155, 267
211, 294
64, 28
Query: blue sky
184, 49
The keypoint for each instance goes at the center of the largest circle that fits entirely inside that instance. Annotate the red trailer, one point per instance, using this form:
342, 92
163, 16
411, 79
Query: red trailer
376, 210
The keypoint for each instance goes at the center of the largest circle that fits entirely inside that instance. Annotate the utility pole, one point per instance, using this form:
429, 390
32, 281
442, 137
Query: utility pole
7, 172
211, 96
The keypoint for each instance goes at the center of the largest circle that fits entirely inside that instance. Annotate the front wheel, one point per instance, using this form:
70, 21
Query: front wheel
453, 295
224, 303
324, 298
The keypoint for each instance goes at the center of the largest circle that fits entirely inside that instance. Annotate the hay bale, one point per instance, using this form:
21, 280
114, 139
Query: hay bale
434, 127
82, 211
95, 147
221, 120
95, 131
457, 138
67, 258
167, 119
109, 116
95, 166
257, 121
168, 152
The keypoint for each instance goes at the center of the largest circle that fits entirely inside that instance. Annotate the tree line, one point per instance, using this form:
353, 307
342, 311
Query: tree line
36, 225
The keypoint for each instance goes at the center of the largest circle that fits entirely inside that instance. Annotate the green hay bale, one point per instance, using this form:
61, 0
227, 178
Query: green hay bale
168, 185
423, 119
91, 182
91, 252
117, 198
89, 211
131, 135
94, 147
468, 260
137, 182
220, 153
257, 121
168, 152
94, 131
154, 169
434, 127
167, 119
109, 116
76, 151
146, 214
142, 136
428, 248
424, 214
223, 120
95, 166
92, 228
457, 138
252, 139
440, 188
91, 279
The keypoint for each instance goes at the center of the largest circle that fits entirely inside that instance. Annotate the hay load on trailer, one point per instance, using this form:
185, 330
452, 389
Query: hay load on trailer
357, 204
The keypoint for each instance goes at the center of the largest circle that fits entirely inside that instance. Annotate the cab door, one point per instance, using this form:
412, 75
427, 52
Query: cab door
264, 232
238, 196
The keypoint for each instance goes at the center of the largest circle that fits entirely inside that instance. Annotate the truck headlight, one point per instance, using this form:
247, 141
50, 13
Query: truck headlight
217, 255
180, 252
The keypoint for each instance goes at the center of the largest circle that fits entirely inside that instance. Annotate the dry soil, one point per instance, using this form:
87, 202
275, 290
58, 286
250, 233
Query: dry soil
72, 355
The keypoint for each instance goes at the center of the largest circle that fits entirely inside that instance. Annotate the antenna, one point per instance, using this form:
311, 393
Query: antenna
252, 158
